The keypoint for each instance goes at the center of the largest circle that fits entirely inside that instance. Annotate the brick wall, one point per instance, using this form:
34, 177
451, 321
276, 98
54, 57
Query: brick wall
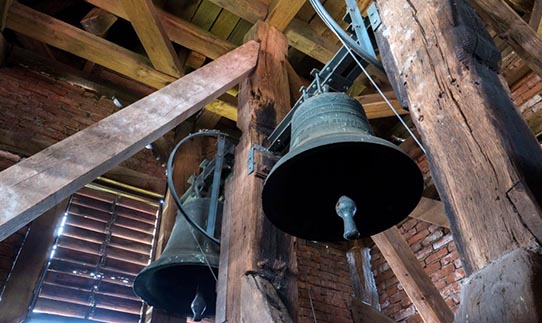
38, 110
323, 271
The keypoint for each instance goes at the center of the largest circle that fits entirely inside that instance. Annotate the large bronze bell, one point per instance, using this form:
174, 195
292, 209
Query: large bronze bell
181, 277
338, 179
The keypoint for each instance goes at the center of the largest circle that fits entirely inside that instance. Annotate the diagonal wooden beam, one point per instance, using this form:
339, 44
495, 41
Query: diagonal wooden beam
54, 32
146, 23
36, 184
178, 30
302, 37
408, 270
514, 30
375, 107
281, 12
432, 211
98, 21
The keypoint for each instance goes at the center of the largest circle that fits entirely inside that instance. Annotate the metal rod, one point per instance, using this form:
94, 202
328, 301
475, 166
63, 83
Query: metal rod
215, 188
129, 187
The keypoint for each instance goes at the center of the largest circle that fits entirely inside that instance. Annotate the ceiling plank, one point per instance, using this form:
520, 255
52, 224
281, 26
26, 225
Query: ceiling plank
307, 41
514, 30
250, 10
146, 23
178, 30
36, 184
54, 32
299, 33
282, 12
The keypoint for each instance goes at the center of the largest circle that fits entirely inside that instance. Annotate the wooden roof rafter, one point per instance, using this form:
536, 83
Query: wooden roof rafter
57, 33
152, 35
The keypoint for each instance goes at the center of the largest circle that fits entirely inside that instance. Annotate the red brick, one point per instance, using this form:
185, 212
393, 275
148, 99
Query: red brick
443, 272
418, 237
437, 256
443, 241
432, 237
451, 256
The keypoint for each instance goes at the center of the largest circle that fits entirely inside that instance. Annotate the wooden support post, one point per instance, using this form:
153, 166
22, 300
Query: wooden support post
25, 275
484, 160
257, 260
37, 183
365, 303
409, 272
361, 275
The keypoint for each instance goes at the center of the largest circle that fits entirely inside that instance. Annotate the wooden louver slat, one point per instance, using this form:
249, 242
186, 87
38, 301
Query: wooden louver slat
95, 260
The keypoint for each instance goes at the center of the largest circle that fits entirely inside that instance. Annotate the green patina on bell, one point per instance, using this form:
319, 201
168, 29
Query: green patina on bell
181, 275
334, 153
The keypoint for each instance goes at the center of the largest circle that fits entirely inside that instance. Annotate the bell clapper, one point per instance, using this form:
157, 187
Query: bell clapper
346, 209
198, 306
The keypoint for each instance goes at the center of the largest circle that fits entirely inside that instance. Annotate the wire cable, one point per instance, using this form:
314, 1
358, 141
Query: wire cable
203, 254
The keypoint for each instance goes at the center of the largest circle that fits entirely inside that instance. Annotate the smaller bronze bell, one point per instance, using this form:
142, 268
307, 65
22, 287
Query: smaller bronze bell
181, 278
338, 178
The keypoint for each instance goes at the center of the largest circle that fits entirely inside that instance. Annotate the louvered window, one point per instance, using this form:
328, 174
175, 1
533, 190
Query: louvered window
104, 240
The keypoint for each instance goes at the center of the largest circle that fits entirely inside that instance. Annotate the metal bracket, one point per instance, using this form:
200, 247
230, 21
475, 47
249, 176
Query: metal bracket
337, 75
374, 16
252, 160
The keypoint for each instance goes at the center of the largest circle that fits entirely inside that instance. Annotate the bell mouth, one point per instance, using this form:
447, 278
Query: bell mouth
173, 286
300, 193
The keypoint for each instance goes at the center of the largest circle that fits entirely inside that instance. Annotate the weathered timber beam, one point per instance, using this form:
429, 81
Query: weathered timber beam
306, 40
535, 21
49, 30
4, 9
179, 31
250, 243
148, 27
514, 30
39, 182
485, 162
431, 211
415, 281
281, 12
375, 107
98, 21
